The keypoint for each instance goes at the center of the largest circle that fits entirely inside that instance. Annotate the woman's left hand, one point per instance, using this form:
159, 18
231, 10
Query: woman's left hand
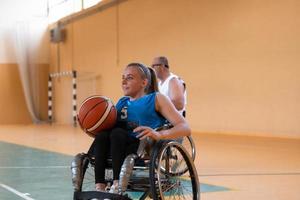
145, 131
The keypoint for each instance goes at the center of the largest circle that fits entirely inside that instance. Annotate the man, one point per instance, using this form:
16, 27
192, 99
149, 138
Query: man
170, 84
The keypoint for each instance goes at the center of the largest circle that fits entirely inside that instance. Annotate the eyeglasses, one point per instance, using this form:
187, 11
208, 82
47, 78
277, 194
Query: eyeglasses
156, 65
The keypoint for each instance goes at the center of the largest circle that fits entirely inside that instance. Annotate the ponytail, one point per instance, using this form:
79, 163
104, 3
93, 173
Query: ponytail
153, 86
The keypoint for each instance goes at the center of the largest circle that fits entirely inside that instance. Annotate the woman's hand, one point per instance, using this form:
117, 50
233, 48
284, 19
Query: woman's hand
145, 131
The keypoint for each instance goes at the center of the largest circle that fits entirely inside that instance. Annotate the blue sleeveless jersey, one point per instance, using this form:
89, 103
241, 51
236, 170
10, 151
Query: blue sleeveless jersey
139, 112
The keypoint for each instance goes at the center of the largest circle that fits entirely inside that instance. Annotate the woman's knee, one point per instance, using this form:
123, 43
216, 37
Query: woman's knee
101, 137
118, 133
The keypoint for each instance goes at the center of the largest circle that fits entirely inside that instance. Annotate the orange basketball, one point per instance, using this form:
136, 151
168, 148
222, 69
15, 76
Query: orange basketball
96, 113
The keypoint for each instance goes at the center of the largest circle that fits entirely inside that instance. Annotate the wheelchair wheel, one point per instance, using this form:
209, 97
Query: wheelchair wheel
189, 145
85, 176
167, 180
187, 141
178, 164
88, 181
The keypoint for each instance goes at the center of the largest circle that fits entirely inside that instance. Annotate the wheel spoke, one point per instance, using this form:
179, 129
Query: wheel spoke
175, 174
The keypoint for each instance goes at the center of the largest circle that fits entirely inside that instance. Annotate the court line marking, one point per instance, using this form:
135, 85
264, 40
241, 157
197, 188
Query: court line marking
34, 167
23, 195
254, 174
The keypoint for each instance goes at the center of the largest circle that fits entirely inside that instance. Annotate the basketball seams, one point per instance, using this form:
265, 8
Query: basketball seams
92, 97
103, 117
97, 113
108, 118
97, 104
92, 111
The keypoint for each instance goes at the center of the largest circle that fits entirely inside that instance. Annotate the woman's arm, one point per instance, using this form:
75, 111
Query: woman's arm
180, 127
168, 110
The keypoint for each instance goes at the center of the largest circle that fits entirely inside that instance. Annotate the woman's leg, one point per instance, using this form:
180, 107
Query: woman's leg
118, 139
121, 146
101, 150
132, 145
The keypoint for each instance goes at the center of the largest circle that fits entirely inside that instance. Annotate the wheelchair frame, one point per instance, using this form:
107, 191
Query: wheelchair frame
162, 173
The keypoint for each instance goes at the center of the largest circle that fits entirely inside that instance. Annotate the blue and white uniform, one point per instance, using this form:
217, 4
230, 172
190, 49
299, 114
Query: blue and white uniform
139, 112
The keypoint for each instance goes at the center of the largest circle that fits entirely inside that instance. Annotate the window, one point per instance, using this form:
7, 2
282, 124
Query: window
61, 8
89, 3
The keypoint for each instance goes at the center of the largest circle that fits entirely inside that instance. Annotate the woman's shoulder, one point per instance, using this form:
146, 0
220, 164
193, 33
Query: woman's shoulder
122, 100
159, 95
161, 99
156, 96
152, 95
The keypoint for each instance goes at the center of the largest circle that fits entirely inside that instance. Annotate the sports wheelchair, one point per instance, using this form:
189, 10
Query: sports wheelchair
160, 170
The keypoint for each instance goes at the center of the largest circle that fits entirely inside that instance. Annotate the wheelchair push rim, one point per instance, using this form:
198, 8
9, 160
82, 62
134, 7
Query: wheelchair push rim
167, 178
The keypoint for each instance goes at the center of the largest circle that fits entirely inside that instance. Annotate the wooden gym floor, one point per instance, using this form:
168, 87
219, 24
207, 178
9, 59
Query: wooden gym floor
35, 164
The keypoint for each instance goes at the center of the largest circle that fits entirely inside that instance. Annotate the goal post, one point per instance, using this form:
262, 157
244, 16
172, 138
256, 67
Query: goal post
52, 76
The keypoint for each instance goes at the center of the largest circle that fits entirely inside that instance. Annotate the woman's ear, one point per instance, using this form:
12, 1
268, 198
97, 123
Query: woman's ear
145, 82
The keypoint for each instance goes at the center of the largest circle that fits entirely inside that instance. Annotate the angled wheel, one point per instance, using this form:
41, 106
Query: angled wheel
187, 141
168, 180
83, 173
189, 145
88, 179
83, 178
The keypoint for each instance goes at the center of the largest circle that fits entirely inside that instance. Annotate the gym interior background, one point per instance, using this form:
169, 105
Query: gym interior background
240, 60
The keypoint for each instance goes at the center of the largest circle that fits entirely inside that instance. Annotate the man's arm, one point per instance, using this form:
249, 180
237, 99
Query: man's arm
176, 93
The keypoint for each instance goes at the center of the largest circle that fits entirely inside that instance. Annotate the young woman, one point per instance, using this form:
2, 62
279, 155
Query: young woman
140, 111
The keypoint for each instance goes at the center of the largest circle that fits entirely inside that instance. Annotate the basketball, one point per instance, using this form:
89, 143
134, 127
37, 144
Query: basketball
96, 113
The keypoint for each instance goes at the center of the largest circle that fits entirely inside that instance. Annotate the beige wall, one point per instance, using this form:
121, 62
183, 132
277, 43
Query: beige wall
23, 20
239, 59
12, 102
41, 98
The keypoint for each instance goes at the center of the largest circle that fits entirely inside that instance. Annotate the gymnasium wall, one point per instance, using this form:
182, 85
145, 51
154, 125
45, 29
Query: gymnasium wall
240, 59
29, 15
12, 101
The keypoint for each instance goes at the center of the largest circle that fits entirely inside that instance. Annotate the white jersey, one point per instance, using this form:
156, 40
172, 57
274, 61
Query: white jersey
164, 88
